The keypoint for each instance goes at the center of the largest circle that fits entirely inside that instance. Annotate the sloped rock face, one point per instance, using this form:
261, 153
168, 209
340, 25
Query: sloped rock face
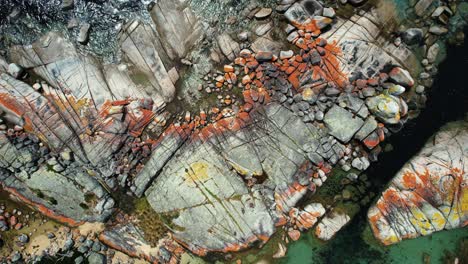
177, 25
200, 184
429, 193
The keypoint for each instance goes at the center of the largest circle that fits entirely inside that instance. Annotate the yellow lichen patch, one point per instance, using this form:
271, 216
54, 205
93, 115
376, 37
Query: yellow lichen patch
454, 216
391, 239
438, 221
464, 200
198, 172
421, 222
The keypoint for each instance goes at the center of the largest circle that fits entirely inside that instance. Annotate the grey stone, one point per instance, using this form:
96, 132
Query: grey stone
16, 257
401, 76
361, 163
15, 70
263, 28
228, 46
342, 124
356, 2
263, 13
433, 52
83, 249
286, 54
83, 35
329, 12
368, 91
420, 89
23, 238
322, 22
438, 30
315, 158
243, 36
301, 11
319, 115
79, 260
412, 36
96, 258
69, 243
422, 7
292, 36
369, 126
332, 91
67, 4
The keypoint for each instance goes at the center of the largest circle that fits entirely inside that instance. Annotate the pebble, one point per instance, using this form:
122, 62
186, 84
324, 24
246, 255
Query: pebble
79, 260
23, 238
345, 167
15, 70
263, 13
397, 41
438, 30
83, 249
360, 163
420, 89
16, 257
432, 53
412, 36
243, 36
424, 75
83, 36
329, 12
396, 89
368, 91
37, 86
263, 29
286, 54
69, 243
352, 176
67, 4
263, 56
319, 115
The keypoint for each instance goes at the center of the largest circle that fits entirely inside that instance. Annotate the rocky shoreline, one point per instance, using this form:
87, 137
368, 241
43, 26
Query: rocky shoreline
279, 118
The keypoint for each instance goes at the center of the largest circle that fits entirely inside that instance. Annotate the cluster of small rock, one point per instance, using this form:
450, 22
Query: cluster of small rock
12, 220
429, 30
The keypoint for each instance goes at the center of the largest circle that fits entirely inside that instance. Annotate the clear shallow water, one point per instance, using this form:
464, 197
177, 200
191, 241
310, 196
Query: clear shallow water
351, 247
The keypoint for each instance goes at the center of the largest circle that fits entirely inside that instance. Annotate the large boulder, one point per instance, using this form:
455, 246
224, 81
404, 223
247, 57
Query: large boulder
197, 183
429, 193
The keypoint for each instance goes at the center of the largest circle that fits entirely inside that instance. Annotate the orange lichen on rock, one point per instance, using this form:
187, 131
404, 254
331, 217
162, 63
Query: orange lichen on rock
42, 209
332, 66
231, 247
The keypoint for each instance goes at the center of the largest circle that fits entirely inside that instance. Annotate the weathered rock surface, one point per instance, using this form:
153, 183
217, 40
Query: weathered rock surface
199, 181
128, 238
358, 38
177, 25
330, 225
222, 184
429, 193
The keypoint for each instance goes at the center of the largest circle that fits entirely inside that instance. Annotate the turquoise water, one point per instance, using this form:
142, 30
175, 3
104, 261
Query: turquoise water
350, 246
